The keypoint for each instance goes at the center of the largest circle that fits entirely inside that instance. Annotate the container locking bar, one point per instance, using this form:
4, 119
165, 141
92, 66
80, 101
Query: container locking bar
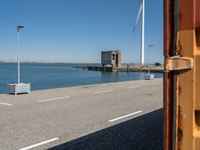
177, 63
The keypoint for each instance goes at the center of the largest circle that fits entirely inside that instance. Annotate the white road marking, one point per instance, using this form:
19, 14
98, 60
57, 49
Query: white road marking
156, 84
134, 87
7, 104
100, 92
125, 116
54, 99
39, 144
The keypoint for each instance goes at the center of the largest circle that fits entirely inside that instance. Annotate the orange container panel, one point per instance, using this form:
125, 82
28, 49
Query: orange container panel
182, 87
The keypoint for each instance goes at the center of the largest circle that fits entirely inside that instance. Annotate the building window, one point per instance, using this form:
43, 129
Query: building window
113, 56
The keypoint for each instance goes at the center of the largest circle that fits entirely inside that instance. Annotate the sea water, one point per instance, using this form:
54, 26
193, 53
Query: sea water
48, 76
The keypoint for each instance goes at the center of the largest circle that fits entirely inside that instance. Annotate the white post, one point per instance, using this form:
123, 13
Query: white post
18, 61
150, 46
143, 31
149, 60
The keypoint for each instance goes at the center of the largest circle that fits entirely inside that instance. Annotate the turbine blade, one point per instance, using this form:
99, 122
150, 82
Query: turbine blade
138, 15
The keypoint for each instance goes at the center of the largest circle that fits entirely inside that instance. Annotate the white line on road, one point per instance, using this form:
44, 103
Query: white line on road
100, 92
156, 84
39, 144
7, 104
125, 116
134, 87
54, 99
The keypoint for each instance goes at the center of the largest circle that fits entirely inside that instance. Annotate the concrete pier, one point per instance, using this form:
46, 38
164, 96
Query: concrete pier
112, 116
127, 68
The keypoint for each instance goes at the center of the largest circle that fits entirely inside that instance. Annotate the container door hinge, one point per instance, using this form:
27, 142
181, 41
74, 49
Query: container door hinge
177, 63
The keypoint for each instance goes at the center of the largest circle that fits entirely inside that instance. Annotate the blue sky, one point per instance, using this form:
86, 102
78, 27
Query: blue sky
78, 30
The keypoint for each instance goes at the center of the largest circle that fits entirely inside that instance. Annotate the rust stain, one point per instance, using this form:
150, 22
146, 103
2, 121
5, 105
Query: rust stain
178, 45
180, 131
179, 90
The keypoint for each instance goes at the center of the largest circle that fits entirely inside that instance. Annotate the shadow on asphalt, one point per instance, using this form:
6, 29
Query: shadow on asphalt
141, 133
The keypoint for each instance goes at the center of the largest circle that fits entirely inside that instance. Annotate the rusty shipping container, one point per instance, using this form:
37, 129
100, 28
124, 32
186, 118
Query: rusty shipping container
182, 75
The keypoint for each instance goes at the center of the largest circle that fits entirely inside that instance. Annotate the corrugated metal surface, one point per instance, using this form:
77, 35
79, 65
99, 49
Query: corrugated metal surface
181, 94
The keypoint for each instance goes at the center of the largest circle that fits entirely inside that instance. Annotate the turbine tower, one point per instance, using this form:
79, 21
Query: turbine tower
141, 10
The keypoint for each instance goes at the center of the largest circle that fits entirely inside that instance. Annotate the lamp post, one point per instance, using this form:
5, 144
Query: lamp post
19, 88
150, 46
18, 45
149, 76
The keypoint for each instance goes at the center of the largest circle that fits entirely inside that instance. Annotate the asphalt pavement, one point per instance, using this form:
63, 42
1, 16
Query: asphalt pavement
114, 116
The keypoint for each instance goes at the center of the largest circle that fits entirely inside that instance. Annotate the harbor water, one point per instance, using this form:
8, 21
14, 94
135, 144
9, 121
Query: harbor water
49, 76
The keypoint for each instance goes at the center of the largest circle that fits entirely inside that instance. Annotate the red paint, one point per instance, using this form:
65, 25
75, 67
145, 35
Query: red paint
189, 17
197, 14
186, 14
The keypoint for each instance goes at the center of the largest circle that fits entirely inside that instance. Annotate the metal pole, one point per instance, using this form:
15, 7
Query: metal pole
143, 31
148, 61
150, 46
18, 61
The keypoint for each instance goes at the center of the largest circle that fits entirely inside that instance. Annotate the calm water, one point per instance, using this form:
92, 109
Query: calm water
48, 76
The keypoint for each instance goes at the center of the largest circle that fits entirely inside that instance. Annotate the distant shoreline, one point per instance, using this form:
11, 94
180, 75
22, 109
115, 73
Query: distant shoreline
45, 63
23, 62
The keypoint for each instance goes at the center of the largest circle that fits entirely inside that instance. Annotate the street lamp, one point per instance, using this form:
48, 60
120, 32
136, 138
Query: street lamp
150, 46
149, 76
19, 87
18, 45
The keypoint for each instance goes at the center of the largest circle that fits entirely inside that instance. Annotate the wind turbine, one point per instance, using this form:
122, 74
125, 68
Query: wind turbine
141, 10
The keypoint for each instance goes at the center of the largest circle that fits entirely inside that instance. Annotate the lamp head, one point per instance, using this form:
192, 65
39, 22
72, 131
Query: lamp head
150, 46
20, 27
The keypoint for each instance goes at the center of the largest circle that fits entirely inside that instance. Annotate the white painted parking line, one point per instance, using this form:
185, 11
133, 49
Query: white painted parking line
134, 87
39, 144
54, 99
6, 104
125, 116
100, 92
